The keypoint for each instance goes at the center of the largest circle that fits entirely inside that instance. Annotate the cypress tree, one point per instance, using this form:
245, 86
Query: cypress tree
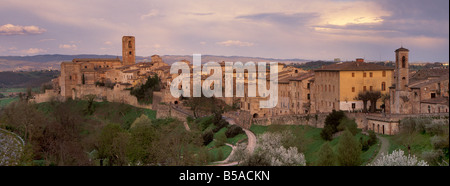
349, 150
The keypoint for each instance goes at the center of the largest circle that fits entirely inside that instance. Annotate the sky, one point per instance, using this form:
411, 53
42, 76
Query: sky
285, 29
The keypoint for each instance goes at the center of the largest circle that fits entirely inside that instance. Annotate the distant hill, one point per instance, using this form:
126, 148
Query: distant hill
53, 61
26, 79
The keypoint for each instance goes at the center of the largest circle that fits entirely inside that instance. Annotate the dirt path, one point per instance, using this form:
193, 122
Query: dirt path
384, 147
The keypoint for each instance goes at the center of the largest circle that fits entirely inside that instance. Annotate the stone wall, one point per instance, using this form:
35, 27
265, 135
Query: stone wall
314, 120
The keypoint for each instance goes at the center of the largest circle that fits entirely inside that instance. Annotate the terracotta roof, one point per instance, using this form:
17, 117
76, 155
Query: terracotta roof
303, 76
353, 66
401, 49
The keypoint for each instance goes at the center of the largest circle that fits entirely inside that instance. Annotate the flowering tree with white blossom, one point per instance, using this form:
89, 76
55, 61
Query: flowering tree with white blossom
397, 158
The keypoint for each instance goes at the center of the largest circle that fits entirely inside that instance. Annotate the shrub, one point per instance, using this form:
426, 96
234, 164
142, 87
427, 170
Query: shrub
207, 136
397, 158
233, 131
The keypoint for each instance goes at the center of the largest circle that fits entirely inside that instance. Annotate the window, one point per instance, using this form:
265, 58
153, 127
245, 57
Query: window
383, 86
308, 85
309, 97
364, 74
353, 105
403, 62
370, 88
129, 52
433, 95
364, 88
329, 88
371, 74
353, 89
353, 74
384, 73
85, 66
325, 88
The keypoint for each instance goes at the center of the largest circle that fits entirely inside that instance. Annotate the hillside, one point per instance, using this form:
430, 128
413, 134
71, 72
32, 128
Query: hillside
26, 79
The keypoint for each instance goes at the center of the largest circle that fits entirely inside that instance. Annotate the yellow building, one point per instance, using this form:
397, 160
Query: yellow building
338, 85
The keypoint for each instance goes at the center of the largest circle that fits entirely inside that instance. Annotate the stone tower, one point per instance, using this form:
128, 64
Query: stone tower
128, 50
401, 77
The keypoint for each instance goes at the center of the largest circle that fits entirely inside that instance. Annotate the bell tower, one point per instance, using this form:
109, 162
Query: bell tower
401, 75
128, 50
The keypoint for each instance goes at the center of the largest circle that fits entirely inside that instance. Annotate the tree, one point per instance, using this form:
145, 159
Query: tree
271, 152
90, 109
349, 124
326, 156
373, 97
142, 136
397, 158
221, 139
348, 150
364, 98
112, 144
332, 121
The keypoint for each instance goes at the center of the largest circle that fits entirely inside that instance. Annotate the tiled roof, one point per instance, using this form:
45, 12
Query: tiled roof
353, 66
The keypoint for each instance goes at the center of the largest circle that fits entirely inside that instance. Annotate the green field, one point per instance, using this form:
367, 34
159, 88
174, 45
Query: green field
6, 101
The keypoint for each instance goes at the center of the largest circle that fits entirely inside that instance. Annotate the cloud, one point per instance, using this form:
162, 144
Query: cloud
68, 46
10, 29
235, 43
34, 51
152, 13
292, 19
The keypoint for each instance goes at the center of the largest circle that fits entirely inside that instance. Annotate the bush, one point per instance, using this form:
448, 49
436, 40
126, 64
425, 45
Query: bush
207, 136
233, 131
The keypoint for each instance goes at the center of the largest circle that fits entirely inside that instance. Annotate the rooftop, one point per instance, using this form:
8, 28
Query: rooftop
353, 66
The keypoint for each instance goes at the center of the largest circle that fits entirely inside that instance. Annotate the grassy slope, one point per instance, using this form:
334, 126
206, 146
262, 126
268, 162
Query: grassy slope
314, 141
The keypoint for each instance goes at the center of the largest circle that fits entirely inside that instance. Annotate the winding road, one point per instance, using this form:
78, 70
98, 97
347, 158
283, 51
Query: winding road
384, 147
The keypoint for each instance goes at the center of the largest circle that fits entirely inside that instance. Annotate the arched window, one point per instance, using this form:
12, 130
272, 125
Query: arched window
403, 62
129, 44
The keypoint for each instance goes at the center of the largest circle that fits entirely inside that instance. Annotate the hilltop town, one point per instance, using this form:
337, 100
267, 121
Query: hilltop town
345, 86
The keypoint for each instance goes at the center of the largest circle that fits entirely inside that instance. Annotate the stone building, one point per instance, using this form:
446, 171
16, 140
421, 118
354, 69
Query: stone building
338, 85
425, 92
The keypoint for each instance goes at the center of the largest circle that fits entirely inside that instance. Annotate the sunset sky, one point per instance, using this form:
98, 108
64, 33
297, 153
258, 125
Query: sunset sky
320, 29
